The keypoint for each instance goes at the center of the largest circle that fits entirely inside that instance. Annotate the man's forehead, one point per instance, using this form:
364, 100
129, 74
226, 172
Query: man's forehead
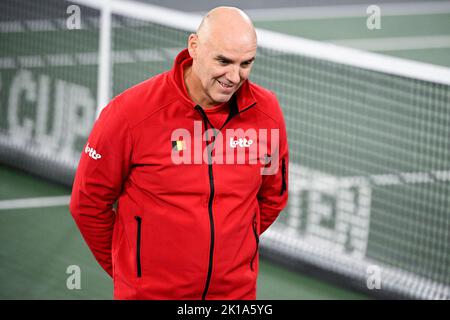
229, 40
232, 50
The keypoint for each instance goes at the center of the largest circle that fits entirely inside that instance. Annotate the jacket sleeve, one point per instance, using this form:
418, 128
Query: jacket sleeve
103, 167
273, 193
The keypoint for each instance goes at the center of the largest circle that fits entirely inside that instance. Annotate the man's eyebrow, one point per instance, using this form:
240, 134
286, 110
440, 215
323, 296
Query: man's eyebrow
225, 59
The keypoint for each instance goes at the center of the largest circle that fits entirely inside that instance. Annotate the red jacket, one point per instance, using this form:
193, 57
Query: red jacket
180, 230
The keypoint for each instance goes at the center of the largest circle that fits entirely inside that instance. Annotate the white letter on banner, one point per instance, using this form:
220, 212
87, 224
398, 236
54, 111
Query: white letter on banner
22, 83
80, 117
48, 141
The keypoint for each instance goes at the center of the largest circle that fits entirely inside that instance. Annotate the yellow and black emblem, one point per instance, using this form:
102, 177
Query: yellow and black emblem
178, 145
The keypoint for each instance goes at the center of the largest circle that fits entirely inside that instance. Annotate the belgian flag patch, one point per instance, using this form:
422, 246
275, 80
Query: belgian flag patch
178, 145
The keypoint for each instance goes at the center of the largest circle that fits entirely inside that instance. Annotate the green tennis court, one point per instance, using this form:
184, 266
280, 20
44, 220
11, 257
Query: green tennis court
39, 244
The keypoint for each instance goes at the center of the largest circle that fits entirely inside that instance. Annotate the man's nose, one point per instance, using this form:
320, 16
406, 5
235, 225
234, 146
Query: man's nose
233, 75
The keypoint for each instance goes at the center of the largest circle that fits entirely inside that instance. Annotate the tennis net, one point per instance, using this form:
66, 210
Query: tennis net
369, 135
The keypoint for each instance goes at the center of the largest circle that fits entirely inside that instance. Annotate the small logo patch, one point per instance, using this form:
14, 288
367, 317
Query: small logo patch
243, 143
178, 145
91, 152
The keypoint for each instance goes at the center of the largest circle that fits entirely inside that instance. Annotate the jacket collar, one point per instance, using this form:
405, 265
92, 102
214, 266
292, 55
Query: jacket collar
244, 96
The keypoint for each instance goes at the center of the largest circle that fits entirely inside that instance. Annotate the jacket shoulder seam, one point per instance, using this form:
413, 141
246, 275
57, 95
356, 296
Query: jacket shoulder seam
153, 113
269, 116
127, 123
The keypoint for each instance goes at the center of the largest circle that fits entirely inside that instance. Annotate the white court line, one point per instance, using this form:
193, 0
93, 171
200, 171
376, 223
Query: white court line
348, 11
42, 202
396, 43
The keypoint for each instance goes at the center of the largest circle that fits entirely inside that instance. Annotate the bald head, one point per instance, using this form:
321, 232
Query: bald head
227, 23
222, 51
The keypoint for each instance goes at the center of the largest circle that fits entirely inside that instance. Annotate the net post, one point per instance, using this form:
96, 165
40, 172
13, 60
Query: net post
104, 63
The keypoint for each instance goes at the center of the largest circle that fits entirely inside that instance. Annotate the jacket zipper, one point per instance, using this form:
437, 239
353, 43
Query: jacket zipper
138, 246
211, 189
210, 203
255, 232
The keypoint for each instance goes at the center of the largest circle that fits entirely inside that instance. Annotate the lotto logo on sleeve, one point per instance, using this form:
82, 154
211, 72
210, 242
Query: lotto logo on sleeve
91, 152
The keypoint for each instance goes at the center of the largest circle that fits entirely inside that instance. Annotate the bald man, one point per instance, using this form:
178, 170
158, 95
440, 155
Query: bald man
196, 159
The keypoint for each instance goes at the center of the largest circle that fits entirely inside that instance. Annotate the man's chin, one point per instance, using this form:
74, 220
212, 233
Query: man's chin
222, 98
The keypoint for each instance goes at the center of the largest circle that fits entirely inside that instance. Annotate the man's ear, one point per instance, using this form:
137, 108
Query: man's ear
193, 45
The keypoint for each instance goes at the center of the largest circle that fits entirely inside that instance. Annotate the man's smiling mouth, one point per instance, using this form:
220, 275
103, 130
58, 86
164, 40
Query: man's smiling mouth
225, 85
